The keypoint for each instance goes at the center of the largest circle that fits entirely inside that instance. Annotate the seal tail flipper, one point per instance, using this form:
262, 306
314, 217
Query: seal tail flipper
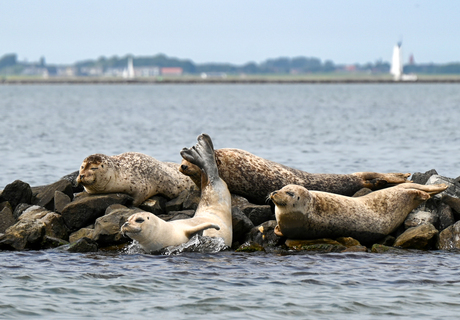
202, 155
431, 189
190, 232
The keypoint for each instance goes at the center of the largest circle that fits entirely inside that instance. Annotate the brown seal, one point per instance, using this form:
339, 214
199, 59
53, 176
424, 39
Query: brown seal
136, 174
303, 214
254, 177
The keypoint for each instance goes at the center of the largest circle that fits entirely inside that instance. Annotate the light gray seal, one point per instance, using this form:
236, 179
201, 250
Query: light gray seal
254, 177
303, 214
136, 174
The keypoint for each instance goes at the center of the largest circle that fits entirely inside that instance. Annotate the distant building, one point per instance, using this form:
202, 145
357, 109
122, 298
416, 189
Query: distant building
171, 71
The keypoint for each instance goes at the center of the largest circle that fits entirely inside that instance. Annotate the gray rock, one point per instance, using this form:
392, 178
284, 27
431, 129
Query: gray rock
184, 214
45, 198
416, 218
60, 201
83, 245
50, 242
155, 205
449, 238
446, 216
239, 202
177, 203
87, 209
192, 200
72, 178
6, 218
422, 178
82, 233
107, 227
421, 237
259, 214
380, 248
33, 213
453, 187
264, 234
241, 225
55, 226
17, 192
452, 202
20, 208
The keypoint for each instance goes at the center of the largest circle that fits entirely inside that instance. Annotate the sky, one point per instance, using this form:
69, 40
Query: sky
237, 31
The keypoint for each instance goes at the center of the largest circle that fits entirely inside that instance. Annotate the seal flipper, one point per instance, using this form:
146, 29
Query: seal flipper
201, 227
202, 155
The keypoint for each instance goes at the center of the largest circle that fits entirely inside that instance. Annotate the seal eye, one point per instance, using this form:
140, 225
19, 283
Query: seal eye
102, 165
290, 193
139, 220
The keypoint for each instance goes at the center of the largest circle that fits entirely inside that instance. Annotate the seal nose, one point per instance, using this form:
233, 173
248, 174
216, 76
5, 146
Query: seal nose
184, 167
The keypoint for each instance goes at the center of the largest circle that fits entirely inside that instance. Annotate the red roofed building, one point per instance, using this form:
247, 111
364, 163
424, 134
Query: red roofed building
171, 71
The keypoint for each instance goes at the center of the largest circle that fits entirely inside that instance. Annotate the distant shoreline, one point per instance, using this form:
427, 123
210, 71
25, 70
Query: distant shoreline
252, 80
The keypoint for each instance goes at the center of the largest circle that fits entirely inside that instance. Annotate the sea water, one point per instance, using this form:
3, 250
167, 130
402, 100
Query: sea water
47, 130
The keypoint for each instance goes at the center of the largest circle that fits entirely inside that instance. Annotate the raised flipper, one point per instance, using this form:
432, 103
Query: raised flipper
201, 227
202, 155
375, 180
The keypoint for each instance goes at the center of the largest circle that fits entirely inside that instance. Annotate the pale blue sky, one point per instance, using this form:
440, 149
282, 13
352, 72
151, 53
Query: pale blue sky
238, 31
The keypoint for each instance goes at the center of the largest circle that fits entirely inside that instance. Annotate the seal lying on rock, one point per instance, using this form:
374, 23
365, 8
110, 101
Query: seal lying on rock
212, 218
254, 178
303, 214
136, 174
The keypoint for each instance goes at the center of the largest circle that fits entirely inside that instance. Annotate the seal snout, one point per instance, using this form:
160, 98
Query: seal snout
184, 167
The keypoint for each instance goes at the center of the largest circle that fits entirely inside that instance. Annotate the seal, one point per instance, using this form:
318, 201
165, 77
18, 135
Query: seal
303, 214
154, 234
254, 177
213, 217
136, 174
216, 202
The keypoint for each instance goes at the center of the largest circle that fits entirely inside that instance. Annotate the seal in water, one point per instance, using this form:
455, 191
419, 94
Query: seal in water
303, 214
254, 177
215, 203
154, 234
136, 174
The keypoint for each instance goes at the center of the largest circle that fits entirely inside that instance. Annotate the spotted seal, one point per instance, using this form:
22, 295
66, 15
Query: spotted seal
254, 177
304, 214
136, 174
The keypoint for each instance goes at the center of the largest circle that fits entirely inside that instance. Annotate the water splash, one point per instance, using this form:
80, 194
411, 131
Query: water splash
199, 244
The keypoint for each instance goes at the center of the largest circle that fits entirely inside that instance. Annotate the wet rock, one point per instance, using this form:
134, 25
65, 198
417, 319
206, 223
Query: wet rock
449, 238
45, 198
50, 242
258, 214
348, 241
60, 201
107, 227
155, 205
362, 192
417, 218
17, 192
250, 246
422, 178
421, 237
359, 248
87, 209
380, 248
264, 235
25, 234
83, 245
318, 245
241, 225
82, 233
6, 218
446, 216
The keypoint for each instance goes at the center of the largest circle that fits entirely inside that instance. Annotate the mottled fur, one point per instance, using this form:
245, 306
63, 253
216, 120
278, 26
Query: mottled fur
303, 214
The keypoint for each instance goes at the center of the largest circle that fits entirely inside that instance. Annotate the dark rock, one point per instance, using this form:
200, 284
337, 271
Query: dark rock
453, 187
55, 226
25, 234
6, 218
179, 215
45, 198
177, 203
452, 202
321, 245
356, 249
60, 201
87, 209
421, 237
362, 192
83, 245
82, 233
422, 178
72, 178
239, 201
259, 214
250, 247
241, 225
50, 242
348, 241
388, 241
416, 218
107, 227
446, 216
192, 200
449, 238
155, 205
264, 235
16, 193
380, 248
